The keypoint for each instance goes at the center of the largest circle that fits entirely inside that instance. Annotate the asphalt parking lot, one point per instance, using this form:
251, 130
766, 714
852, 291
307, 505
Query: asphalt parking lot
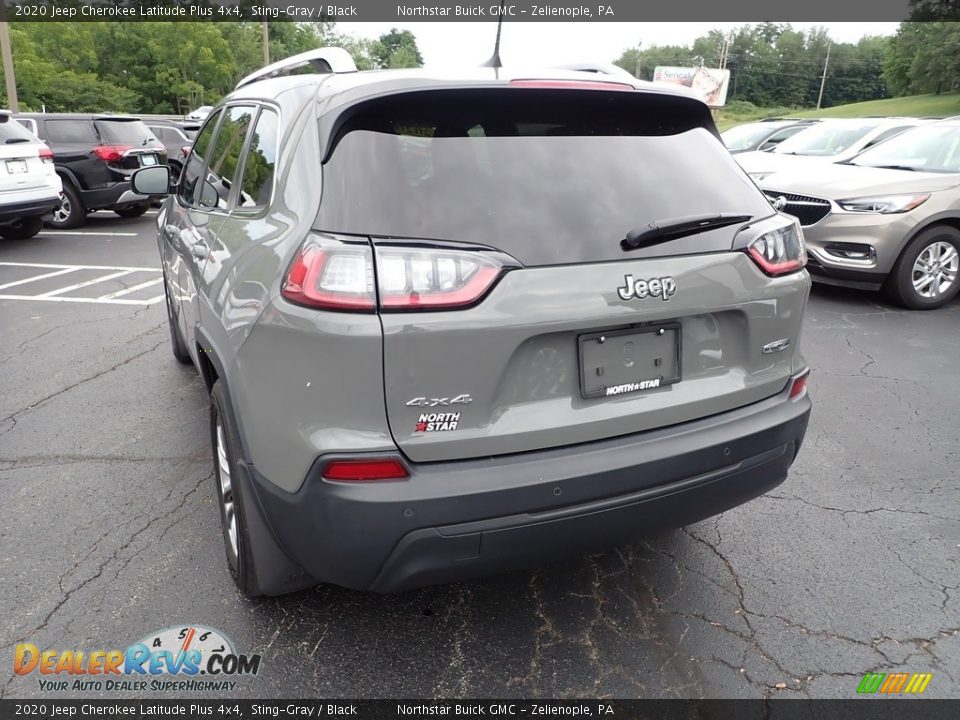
109, 528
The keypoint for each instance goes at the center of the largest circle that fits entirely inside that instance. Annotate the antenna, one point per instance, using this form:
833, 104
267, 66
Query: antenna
494, 61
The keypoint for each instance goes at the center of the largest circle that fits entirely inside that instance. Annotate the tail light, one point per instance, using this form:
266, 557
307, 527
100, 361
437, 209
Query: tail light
111, 153
338, 274
331, 274
799, 384
366, 470
780, 250
46, 154
433, 279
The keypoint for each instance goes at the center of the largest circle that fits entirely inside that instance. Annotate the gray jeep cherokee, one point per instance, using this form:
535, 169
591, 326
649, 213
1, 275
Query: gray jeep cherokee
454, 325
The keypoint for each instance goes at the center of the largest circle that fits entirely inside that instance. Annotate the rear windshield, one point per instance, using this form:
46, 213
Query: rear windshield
128, 132
12, 132
548, 179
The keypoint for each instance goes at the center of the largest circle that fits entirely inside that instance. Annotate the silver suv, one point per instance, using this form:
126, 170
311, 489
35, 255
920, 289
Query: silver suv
453, 325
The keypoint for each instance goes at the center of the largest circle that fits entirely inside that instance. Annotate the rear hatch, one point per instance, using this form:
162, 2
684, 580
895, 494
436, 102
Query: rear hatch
513, 317
128, 144
21, 167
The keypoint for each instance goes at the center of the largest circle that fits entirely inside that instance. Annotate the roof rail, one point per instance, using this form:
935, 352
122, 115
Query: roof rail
322, 60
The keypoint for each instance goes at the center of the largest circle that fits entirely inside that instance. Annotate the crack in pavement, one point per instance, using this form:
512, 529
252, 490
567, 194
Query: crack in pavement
66, 595
85, 380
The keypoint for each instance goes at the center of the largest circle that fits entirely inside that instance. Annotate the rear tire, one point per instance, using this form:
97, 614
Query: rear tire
131, 211
22, 229
71, 213
177, 345
927, 274
236, 538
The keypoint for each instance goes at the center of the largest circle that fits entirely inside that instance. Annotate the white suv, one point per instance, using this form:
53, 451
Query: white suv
29, 185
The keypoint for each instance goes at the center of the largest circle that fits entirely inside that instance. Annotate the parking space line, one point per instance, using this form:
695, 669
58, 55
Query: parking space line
87, 232
134, 288
69, 288
37, 277
119, 301
81, 267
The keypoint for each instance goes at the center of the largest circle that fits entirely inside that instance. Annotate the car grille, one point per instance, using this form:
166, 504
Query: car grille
808, 210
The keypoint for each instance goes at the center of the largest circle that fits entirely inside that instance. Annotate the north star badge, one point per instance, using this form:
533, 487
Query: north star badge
437, 422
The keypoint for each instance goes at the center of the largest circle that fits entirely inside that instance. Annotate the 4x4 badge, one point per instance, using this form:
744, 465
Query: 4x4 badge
438, 402
663, 288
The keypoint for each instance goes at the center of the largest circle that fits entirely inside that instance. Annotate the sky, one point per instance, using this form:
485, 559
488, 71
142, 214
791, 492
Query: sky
531, 43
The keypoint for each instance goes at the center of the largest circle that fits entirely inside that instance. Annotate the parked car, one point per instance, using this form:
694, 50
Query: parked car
834, 140
580, 327
94, 156
889, 218
200, 113
176, 136
762, 136
29, 185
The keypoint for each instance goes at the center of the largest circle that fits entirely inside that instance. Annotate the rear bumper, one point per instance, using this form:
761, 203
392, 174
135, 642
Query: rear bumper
455, 520
33, 208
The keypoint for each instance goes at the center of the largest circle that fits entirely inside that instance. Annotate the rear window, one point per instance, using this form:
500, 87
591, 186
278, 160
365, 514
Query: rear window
127, 132
13, 132
549, 177
71, 131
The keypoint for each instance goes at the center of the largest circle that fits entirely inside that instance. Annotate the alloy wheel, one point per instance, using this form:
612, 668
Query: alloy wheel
226, 490
935, 269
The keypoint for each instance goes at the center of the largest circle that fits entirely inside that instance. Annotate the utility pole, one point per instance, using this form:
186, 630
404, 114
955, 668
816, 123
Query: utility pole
266, 42
8, 65
636, 72
823, 78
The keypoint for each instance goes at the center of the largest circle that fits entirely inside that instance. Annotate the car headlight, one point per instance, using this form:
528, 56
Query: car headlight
884, 204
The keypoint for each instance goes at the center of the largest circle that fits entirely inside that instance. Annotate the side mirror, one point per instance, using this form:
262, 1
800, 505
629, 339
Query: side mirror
153, 180
208, 195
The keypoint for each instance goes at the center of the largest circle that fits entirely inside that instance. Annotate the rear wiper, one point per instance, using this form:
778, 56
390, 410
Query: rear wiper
660, 231
11, 141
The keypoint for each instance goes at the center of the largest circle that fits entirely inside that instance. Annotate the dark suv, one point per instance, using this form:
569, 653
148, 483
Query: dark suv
452, 325
94, 156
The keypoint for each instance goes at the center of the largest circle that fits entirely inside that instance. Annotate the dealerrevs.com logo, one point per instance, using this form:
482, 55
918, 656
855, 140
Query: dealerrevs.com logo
191, 657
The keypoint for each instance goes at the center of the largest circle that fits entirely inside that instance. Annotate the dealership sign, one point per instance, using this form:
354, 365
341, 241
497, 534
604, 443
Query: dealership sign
706, 83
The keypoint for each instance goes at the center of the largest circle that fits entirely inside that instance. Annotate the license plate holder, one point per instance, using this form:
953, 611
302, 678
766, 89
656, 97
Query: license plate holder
629, 361
16, 167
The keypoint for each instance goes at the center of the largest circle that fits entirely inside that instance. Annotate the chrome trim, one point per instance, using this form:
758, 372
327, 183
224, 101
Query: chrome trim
828, 259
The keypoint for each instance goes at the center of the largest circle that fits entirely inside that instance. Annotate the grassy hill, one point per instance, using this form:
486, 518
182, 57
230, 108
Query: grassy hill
944, 105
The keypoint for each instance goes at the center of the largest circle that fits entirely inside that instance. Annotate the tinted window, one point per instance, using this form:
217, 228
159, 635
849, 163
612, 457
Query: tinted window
225, 155
547, 179
261, 160
71, 131
885, 135
125, 132
13, 132
194, 167
29, 123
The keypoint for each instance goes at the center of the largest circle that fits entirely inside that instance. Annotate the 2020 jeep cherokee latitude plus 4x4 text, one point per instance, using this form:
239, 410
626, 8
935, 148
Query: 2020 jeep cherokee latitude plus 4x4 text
456, 325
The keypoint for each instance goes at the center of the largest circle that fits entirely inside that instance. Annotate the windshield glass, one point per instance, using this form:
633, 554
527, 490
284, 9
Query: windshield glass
824, 139
532, 181
744, 137
931, 148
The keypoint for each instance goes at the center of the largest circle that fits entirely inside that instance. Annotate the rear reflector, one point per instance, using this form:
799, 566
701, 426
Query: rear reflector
799, 385
365, 470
